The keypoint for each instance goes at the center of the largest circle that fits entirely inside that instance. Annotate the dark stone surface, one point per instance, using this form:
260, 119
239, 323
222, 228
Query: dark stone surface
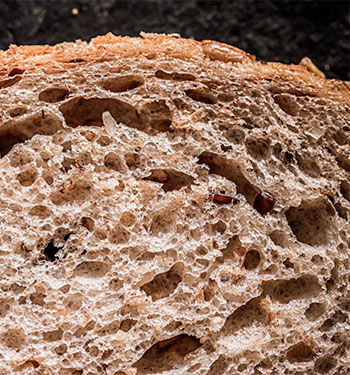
281, 30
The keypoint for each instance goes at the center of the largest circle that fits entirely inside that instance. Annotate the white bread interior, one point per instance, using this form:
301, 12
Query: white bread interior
115, 257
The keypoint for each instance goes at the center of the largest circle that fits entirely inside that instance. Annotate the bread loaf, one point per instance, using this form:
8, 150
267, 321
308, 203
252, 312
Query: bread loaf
174, 207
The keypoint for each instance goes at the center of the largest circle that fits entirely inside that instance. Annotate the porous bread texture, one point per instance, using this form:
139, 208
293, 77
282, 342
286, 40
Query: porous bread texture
116, 259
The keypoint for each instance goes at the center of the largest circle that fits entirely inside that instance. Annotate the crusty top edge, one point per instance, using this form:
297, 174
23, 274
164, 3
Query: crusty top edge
110, 46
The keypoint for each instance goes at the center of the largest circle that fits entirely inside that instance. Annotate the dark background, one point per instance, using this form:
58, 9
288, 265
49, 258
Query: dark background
281, 30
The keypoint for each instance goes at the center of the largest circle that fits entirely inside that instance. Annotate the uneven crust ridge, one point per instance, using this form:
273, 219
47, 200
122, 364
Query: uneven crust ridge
108, 47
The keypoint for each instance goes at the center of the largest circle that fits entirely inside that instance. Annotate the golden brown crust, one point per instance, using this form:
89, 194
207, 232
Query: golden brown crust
107, 47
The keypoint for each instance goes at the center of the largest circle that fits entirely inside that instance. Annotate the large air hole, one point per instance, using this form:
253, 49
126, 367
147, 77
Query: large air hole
201, 96
88, 112
345, 189
157, 115
279, 238
171, 179
17, 111
122, 83
15, 132
9, 82
210, 290
314, 311
20, 157
300, 353
166, 354
311, 221
340, 137
91, 269
325, 364
163, 221
118, 235
110, 329
308, 164
287, 103
28, 364
27, 177
174, 76
5, 304
88, 223
229, 169
165, 283
54, 94
233, 247
343, 161
245, 316
54, 335
13, 338
233, 134
114, 162
219, 366
259, 148
342, 211
15, 71
127, 324
284, 291
252, 260
51, 249
333, 280
76, 189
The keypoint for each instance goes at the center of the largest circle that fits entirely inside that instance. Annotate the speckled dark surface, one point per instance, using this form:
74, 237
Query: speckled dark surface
281, 30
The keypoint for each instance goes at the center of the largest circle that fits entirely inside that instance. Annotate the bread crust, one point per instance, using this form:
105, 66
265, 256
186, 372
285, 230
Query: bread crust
109, 46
